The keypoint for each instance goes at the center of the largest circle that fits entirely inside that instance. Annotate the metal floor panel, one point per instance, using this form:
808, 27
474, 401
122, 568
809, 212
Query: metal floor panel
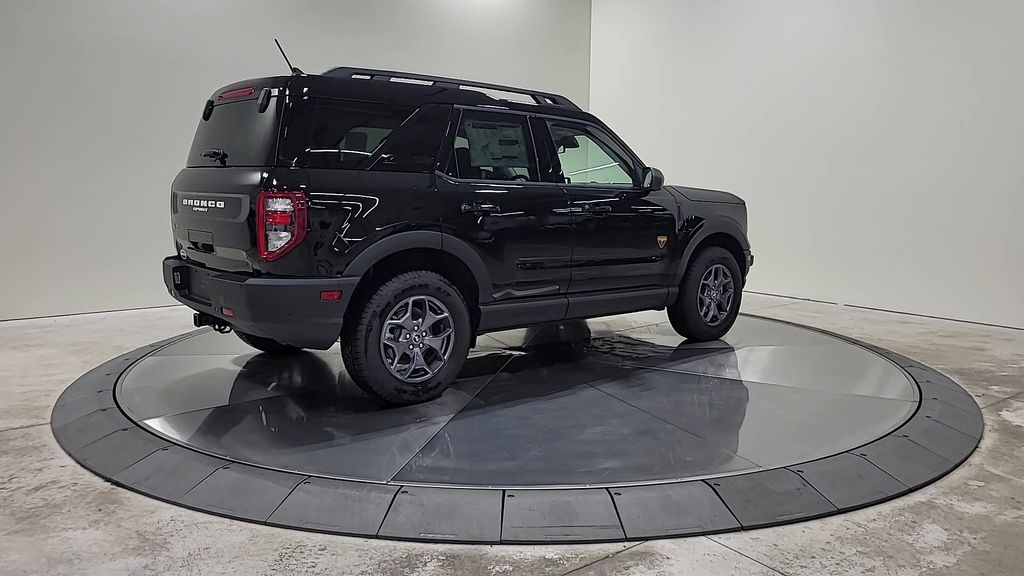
609, 430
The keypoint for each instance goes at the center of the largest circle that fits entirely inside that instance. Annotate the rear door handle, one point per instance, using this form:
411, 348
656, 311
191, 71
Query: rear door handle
480, 208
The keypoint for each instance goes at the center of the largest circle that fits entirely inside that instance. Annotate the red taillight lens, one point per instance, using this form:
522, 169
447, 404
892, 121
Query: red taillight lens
279, 218
280, 222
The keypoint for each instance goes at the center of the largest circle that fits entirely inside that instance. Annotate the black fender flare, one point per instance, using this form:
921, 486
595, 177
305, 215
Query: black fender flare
430, 239
706, 229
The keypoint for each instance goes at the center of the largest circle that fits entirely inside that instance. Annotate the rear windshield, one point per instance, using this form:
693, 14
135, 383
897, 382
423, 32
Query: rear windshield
236, 134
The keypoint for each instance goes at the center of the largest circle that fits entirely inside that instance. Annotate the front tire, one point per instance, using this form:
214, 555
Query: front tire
410, 339
709, 296
265, 344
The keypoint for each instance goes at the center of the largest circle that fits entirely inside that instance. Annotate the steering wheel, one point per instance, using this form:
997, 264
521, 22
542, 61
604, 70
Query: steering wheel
520, 178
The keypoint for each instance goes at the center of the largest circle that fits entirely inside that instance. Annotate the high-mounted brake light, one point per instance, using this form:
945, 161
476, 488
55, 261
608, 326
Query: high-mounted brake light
237, 93
280, 222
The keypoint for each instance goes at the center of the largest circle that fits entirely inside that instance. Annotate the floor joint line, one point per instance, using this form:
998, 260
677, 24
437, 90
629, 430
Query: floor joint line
23, 427
603, 558
286, 496
676, 426
450, 418
1001, 400
747, 556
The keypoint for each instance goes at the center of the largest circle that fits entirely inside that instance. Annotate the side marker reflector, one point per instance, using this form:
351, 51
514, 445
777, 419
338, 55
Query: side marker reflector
330, 295
227, 311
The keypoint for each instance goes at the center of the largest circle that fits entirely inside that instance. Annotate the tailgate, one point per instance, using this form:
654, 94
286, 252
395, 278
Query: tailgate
210, 215
234, 145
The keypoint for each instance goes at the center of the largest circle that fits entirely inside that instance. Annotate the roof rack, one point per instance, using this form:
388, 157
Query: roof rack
545, 98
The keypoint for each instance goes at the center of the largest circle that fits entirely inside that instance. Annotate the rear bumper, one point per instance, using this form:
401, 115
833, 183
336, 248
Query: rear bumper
288, 310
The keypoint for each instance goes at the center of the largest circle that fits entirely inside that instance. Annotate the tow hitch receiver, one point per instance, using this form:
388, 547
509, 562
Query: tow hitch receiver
218, 325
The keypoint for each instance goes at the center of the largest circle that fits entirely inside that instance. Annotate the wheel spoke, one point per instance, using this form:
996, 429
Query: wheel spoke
723, 309
438, 341
708, 312
429, 319
398, 356
414, 363
726, 301
410, 320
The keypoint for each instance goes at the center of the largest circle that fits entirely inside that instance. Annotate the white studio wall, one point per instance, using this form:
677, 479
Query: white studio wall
102, 99
877, 143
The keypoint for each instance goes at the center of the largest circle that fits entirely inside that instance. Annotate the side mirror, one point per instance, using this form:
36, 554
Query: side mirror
652, 179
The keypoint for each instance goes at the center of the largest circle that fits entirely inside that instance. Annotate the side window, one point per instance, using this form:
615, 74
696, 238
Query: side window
328, 133
588, 156
413, 146
493, 146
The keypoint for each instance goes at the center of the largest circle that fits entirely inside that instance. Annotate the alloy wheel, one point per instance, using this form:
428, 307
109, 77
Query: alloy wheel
417, 338
715, 295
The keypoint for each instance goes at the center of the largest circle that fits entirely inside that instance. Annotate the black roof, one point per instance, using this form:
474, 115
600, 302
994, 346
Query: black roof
416, 89
538, 97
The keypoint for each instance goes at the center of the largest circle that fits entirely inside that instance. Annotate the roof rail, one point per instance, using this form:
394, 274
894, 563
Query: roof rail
545, 98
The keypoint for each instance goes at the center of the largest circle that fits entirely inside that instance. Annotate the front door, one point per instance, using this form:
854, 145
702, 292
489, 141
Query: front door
622, 235
496, 201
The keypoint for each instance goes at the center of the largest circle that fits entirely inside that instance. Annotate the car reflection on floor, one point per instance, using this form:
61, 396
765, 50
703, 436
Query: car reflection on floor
559, 404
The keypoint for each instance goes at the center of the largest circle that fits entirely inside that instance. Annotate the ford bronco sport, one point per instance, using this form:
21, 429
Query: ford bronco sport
406, 214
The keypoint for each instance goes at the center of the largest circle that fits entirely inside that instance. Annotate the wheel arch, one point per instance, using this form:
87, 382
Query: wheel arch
722, 233
423, 250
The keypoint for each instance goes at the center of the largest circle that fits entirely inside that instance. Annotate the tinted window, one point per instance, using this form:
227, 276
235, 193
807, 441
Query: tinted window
327, 133
413, 146
493, 146
588, 156
244, 135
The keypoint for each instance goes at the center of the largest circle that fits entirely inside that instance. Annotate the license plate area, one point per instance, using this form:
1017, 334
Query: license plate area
191, 283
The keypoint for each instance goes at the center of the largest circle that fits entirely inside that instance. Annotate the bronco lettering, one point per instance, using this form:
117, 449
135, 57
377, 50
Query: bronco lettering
195, 203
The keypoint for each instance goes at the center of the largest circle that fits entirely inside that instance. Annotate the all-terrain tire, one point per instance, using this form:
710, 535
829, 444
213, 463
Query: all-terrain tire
265, 344
684, 313
361, 335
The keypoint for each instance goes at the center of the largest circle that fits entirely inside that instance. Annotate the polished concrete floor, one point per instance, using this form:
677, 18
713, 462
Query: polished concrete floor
57, 518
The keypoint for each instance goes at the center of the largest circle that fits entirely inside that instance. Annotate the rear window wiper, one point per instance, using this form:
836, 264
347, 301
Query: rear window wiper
217, 154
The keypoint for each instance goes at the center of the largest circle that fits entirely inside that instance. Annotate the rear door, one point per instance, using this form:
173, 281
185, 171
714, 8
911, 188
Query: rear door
622, 235
496, 200
212, 198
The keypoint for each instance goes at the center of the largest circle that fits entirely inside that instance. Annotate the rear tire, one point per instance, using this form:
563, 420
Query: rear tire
374, 339
266, 345
690, 315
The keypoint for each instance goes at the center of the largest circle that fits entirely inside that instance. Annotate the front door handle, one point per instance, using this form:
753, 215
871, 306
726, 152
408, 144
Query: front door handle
597, 208
480, 208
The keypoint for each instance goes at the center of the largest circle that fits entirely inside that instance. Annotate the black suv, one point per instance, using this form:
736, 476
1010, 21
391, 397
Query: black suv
406, 214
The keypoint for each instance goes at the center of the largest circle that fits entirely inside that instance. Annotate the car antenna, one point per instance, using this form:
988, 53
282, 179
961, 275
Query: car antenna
295, 71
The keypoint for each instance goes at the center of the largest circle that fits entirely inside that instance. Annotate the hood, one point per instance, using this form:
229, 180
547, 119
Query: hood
702, 195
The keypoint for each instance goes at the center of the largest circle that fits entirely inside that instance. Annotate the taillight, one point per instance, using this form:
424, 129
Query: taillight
280, 222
